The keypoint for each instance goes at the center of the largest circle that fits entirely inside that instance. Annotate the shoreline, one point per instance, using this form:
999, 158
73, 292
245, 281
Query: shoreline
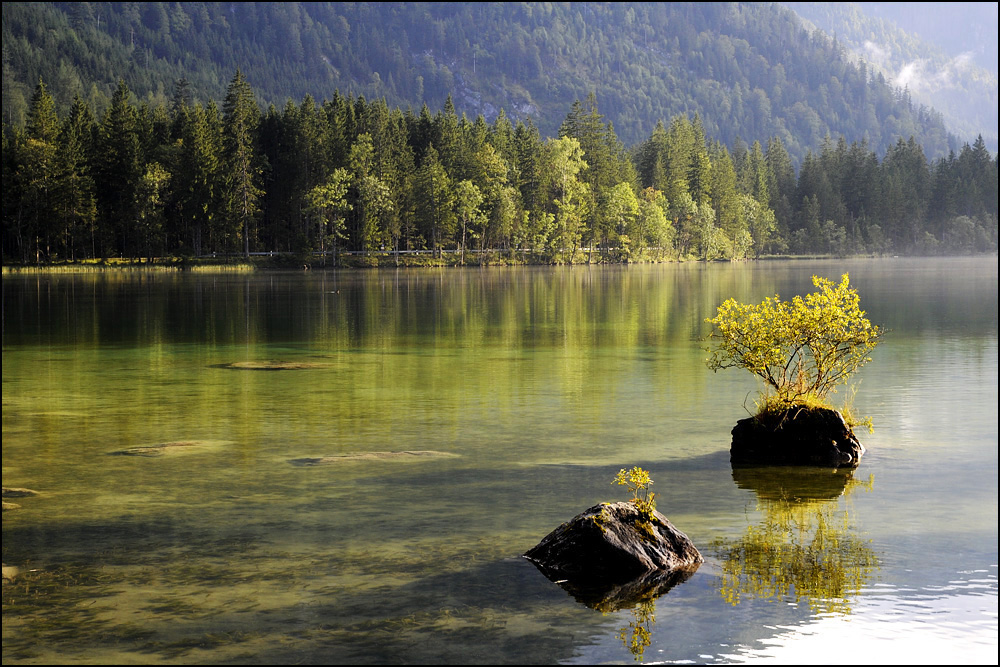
380, 260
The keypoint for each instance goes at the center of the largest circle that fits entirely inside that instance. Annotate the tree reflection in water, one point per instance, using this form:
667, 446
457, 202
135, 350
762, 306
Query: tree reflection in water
636, 635
804, 546
638, 595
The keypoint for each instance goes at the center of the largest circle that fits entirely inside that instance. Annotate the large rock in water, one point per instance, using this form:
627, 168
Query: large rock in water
798, 436
613, 543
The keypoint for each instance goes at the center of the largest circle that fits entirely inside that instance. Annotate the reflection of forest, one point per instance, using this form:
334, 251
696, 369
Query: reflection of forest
477, 337
803, 547
626, 308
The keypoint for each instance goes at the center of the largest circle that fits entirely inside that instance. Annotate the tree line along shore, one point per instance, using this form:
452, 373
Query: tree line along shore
352, 182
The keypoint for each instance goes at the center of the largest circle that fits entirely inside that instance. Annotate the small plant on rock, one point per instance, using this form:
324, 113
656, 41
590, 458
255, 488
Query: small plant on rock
637, 481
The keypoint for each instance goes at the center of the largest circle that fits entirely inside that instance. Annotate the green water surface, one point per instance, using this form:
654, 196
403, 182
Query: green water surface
530, 388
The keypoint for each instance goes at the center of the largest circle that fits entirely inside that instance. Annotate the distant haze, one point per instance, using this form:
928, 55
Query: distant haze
944, 54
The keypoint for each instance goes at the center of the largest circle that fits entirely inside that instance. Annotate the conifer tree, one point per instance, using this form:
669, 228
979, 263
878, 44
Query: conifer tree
199, 184
118, 172
43, 122
726, 201
242, 167
76, 207
37, 172
435, 200
371, 195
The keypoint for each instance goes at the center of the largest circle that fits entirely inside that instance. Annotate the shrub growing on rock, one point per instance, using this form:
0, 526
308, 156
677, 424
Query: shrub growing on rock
802, 349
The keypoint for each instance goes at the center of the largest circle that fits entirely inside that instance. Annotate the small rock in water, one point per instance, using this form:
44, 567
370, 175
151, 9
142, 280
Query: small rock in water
614, 541
9, 573
276, 365
371, 456
796, 437
167, 448
613, 556
14, 492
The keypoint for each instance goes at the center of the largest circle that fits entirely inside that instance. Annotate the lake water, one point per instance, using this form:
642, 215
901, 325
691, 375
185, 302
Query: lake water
533, 386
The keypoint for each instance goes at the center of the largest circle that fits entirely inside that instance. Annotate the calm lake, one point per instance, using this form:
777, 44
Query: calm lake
175, 427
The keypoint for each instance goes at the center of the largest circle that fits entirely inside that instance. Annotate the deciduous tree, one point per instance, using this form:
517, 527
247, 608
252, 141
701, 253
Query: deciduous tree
802, 349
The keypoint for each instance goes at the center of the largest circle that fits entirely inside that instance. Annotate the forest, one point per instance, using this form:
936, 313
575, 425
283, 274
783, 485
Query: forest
956, 74
750, 70
186, 179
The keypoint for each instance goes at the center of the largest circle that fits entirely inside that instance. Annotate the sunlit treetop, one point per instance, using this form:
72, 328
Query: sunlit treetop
802, 349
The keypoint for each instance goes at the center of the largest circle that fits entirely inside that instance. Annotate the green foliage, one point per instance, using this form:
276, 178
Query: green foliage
637, 482
802, 349
76, 189
435, 200
468, 199
149, 210
329, 201
118, 171
242, 166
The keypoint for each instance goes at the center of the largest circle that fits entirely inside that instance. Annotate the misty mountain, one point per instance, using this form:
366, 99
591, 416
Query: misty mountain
943, 54
958, 27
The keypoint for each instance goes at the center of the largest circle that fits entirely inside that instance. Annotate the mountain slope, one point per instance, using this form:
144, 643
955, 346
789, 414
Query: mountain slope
750, 70
952, 66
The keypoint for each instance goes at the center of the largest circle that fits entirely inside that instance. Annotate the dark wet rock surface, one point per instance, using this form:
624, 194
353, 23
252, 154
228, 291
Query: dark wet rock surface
796, 437
612, 553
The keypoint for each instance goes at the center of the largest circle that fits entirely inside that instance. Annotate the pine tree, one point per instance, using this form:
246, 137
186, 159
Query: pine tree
447, 139
435, 200
726, 201
527, 151
781, 185
242, 167
37, 171
374, 205
76, 206
43, 122
118, 173
199, 187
